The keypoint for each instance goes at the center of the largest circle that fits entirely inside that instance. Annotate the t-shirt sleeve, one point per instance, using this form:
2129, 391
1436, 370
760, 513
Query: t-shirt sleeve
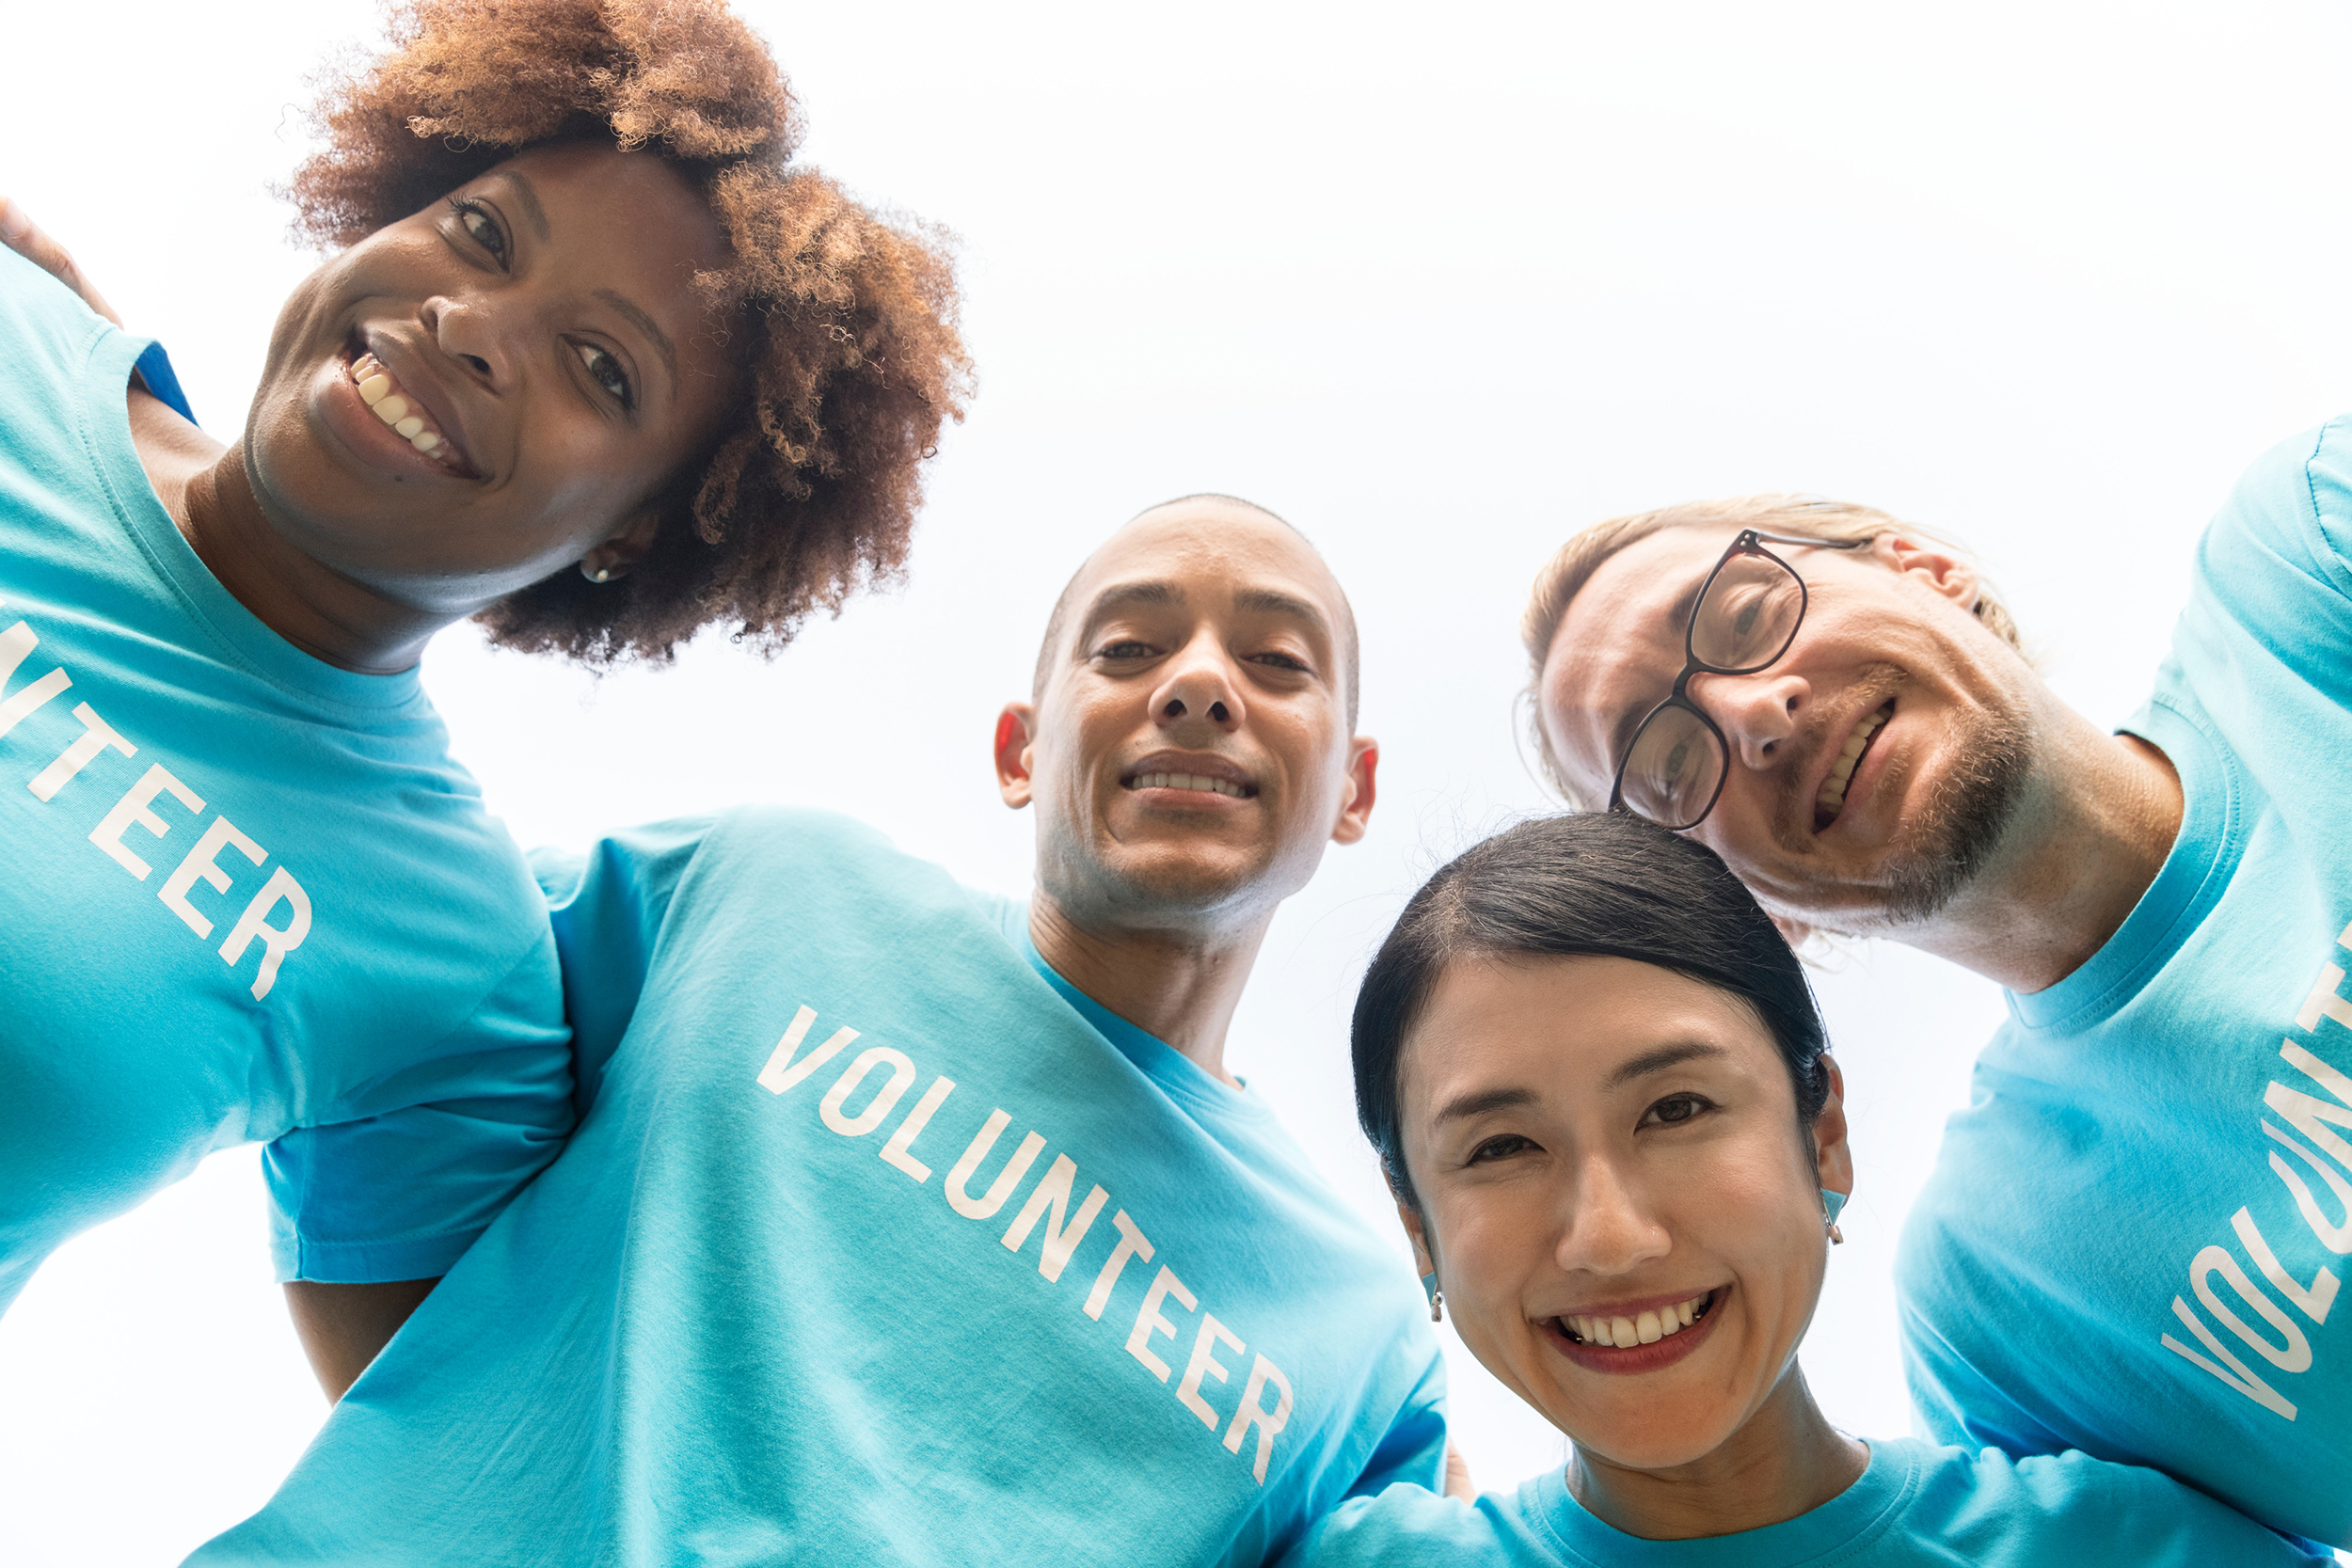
1412, 1451
607, 907
401, 1194
2278, 557
2072, 1507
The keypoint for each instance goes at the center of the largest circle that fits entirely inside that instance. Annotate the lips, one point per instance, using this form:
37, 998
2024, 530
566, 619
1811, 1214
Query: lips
1829, 801
403, 410
1649, 1345
1196, 773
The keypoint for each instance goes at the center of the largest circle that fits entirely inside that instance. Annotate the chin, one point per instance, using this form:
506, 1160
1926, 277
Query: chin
1653, 1440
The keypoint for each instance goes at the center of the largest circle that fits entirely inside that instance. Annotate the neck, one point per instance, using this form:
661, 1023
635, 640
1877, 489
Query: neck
1180, 987
1786, 1460
208, 493
2097, 820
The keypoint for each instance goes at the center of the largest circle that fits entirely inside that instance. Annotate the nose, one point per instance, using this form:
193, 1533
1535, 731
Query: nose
475, 334
1608, 1230
1198, 688
1757, 713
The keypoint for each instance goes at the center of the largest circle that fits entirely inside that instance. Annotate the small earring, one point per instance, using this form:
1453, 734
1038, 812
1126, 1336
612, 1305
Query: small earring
1832, 1204
1437, 1298
602, 574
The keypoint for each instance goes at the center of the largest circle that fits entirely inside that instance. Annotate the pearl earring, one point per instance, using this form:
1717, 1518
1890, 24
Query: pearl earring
602, 574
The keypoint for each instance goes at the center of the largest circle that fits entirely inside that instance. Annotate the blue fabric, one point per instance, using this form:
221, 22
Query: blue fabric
791, 1294
2120, 1247
1915, 1506
248, 895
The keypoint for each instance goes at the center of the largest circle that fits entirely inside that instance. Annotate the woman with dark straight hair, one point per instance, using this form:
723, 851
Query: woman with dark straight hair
1599, 1085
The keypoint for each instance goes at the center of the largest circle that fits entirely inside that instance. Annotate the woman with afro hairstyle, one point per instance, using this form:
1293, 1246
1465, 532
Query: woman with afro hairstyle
590, 361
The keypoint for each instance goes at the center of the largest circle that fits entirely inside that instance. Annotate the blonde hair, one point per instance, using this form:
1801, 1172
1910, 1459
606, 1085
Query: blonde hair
1573, 565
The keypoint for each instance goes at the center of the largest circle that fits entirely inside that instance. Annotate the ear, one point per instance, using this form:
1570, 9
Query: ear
1931, 565
1410, 1218
1363, 766
1832, 1153
625, 548
1016, 733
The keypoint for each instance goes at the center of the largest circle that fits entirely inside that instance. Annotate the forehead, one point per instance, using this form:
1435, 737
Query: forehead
1561, 1028
1621, 641
629, 214
1212, 554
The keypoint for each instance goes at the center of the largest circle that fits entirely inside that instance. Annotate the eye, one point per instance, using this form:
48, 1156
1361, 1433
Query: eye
606, 372
1675, 1110
1280, 662
1124, 648
1500, 1148
481, 226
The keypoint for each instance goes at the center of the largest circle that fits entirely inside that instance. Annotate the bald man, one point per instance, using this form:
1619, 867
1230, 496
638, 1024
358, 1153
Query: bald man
907, 1226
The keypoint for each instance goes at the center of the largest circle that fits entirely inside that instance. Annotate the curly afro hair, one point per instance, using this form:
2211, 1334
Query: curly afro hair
809, 491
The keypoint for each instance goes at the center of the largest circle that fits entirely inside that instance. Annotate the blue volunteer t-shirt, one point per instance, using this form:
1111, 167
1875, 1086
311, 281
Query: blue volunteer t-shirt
1916, 1506
2136, 1235
248, 895
877, 1243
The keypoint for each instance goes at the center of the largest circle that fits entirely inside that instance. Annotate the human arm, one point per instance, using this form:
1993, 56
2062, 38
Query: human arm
20, 233
342, 1327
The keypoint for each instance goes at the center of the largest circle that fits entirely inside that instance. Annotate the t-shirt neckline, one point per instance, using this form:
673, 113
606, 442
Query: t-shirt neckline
2194, 872
1861, 1510
1177, 1074
247, 640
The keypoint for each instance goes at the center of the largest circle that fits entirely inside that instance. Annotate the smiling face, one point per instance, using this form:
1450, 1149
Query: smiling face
484, 393
1189, 753
1602, 1148
1873, 767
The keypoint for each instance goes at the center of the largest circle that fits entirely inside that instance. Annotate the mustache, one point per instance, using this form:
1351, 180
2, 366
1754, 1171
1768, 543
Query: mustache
1792, 812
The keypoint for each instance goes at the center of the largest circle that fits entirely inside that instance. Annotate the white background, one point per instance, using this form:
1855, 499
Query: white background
1440, 286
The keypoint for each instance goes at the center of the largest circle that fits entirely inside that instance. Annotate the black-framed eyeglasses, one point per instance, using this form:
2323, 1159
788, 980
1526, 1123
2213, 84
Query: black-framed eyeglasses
1746, 616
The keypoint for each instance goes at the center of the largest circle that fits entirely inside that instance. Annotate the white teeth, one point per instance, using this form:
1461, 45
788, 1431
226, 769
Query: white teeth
1200, 782
1832, 798
375, 384
1646, 1329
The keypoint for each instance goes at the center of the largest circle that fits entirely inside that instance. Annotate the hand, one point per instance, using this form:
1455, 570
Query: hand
17, 230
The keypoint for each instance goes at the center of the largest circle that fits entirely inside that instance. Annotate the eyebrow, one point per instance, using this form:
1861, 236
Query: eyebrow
1483, 1102
1660, 1060
643, 324
1272, 601
524, 194
1120, 594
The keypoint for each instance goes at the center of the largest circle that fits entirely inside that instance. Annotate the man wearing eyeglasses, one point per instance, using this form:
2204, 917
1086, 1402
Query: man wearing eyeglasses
2132, 1241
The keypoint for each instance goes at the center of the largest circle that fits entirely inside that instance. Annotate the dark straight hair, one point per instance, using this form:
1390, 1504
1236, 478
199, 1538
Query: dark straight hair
1589, 883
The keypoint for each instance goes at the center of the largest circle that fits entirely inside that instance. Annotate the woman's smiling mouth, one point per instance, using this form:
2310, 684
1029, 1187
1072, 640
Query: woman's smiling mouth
406, 417
1638, 1341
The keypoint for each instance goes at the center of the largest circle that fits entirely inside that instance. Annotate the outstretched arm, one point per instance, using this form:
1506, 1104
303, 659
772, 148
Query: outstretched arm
343, 1327
17, 230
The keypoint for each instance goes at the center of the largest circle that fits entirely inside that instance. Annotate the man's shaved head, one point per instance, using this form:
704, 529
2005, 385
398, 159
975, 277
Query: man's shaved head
1056, 624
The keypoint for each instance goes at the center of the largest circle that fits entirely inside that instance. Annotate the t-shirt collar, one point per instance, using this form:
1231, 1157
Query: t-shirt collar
2192, 877
1861, 1509
1176, 1073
